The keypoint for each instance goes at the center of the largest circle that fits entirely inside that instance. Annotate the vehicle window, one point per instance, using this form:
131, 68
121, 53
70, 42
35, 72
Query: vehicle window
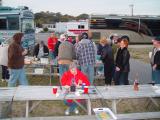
13, 23
3, 24
80, 26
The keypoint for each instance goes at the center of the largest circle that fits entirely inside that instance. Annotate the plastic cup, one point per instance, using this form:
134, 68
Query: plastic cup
153, 83
150, 54
54, 90
85, 89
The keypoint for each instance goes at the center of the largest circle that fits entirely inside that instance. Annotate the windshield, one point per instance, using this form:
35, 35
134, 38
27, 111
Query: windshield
3, 24
28, 26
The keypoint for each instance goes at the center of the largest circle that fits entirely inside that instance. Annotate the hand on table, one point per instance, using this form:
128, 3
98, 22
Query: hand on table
24, 52
79, 82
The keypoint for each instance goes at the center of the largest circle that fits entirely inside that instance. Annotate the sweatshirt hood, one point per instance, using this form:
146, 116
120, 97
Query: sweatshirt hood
18, 38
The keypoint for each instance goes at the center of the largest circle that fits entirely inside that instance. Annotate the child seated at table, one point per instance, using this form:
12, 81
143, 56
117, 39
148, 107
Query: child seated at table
67, 80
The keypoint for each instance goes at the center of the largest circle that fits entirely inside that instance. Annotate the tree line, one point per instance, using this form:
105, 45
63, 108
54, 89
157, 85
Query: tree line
51, 17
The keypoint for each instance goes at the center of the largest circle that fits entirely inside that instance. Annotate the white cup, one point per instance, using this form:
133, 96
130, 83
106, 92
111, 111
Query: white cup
150, 55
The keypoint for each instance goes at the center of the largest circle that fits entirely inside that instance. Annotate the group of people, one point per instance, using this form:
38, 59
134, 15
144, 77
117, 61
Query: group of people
113, 52
85, 52
115, 57
65, 50
155, 60
82, 50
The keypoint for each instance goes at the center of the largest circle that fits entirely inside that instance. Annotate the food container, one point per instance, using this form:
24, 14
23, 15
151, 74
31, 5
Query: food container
104, 114
38, 71
44, 60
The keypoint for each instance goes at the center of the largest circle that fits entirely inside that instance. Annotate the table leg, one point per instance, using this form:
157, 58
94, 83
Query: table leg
157, 105
50, 75
89, 107
27, 108
1, 109
80, 105
114, 106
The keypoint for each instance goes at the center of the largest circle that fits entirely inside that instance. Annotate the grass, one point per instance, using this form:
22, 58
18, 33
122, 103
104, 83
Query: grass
141, 54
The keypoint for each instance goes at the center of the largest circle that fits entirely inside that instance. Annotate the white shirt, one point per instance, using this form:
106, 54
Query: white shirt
40, 53
4, 54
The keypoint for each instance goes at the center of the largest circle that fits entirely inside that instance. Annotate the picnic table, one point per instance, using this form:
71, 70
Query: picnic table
41, 67
6, 95
44, 67
34, 93
113, 93
135, 116
116, 93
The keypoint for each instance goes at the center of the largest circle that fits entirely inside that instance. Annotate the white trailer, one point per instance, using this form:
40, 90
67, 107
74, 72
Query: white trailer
78, 27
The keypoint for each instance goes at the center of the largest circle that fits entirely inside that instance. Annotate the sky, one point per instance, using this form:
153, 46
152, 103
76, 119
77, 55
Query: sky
76, 7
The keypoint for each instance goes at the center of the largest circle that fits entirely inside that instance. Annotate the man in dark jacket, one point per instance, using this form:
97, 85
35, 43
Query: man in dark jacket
16, 61
155, 60
108, 61
40, 50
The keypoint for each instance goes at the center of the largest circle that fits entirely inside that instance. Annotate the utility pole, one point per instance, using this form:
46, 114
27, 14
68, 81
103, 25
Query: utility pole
131, 6
0, 2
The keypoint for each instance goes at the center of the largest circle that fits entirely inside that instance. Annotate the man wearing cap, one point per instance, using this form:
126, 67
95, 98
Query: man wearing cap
113, 38
85, 54
155, 60
66, 55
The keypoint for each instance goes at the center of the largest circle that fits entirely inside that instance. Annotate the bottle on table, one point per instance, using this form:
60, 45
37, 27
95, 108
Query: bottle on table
73, 85
136, 84
83, 84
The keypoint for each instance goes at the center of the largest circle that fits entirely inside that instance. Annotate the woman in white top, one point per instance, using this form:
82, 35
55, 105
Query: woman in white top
4, 61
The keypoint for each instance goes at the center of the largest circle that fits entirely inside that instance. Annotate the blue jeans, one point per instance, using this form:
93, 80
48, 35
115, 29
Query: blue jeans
121, 78
156, 76
63, 68
89, 71
71, 105
17, 74
51, 55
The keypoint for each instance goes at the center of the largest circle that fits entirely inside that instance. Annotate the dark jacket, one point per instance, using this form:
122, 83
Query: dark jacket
122, 60
107, 55
56, 48
15, 57
157, 60
36, 50
99, 49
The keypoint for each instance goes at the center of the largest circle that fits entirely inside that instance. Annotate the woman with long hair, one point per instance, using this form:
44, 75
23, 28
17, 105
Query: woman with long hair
122, 63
